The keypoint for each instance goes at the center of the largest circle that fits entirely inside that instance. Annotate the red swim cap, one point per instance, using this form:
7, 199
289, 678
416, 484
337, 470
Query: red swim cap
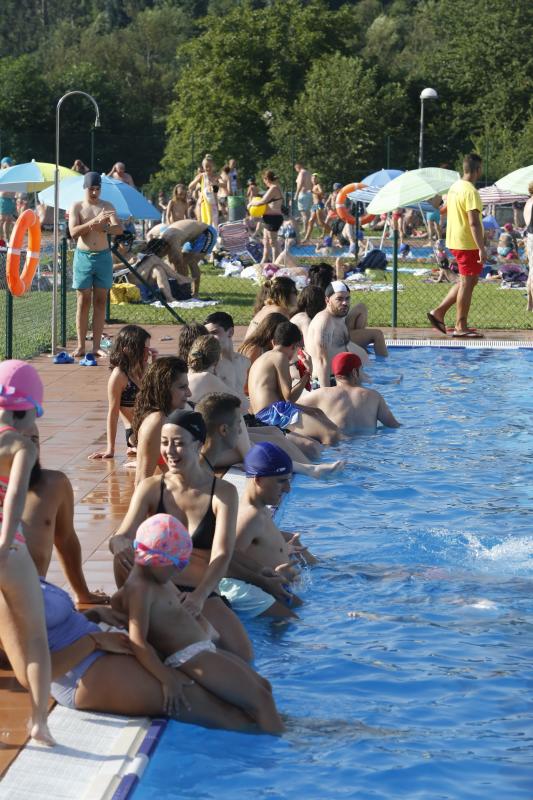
345, 363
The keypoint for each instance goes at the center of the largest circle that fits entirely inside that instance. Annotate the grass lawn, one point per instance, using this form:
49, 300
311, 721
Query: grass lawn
492, 307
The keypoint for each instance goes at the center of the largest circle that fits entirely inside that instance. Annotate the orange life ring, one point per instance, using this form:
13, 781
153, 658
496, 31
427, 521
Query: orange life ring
443, 210
28, 221
341, 209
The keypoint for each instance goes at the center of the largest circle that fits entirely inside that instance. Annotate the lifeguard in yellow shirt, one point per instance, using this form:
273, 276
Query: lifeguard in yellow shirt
464, 237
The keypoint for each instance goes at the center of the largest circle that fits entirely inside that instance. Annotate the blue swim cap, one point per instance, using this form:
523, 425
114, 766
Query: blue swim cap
7, 160
265, 460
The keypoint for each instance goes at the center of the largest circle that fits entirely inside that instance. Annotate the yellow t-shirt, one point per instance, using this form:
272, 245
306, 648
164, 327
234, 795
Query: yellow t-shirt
462, 197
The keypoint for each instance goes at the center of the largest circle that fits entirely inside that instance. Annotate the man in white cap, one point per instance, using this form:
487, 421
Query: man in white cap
328, 335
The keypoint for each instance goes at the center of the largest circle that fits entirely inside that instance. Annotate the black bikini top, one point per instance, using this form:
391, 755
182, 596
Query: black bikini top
202, 538
128, 395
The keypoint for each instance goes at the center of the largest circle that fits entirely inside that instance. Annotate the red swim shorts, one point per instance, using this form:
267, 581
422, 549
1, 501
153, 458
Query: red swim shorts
468, 262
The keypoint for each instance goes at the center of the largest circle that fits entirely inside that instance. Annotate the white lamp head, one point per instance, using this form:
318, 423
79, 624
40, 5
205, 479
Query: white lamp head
428, 94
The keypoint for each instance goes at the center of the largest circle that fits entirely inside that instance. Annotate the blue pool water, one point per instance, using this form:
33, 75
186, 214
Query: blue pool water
426, 691
309, 251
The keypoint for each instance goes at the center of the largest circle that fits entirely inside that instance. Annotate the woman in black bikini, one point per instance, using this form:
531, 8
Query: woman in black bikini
207, 506
128, 361
273, 219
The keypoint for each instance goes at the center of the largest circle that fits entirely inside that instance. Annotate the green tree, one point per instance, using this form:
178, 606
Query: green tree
478, 56
248, 62
336, 125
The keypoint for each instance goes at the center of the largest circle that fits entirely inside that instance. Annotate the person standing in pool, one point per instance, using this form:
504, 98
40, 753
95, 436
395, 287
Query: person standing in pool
464, 237
350, 406
91, 221
328, 334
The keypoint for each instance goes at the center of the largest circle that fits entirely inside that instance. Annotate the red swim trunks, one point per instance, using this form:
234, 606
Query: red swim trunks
468, 262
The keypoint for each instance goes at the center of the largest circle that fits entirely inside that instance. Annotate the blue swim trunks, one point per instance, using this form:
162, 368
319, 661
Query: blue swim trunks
202, 244
434, 216
305, 201
7, 206
92, 268
281, 414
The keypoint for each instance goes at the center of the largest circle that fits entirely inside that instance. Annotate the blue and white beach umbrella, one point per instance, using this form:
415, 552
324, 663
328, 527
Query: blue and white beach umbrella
127, 201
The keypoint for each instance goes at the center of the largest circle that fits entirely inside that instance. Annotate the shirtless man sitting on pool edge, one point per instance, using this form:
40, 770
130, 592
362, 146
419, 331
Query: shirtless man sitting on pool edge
328, 335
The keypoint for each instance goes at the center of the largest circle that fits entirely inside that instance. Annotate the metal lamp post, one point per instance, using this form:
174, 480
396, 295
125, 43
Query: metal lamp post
425, 94
56, 209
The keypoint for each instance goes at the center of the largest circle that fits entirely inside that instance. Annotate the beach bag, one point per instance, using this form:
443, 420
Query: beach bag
375, 259
122, 293
255, 249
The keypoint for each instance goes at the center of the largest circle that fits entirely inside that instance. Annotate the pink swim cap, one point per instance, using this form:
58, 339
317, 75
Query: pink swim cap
21, 388
162, 540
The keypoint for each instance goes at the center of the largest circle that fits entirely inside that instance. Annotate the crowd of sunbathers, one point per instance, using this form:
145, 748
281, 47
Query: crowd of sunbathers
192, 561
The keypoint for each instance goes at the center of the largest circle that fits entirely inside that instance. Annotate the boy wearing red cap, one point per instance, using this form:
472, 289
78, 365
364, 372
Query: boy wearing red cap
350, 406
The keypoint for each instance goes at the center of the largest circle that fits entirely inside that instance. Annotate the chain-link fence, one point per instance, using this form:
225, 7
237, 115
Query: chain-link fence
496, 304
499, 300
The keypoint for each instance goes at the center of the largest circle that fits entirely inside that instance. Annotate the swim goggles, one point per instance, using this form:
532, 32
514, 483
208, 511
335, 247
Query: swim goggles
17, 397
180, 563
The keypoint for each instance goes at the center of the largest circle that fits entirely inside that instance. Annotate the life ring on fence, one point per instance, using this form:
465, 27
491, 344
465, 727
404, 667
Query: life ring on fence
20, 283
340, 205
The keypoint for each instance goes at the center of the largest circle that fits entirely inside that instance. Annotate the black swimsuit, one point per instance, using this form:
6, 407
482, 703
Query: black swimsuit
128, 395
127, 400
202, 538
273, 220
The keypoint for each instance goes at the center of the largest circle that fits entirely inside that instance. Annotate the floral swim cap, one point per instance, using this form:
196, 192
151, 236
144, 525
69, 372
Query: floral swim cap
162, 540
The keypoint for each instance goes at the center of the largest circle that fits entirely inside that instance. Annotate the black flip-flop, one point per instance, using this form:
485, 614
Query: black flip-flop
436, 323
470, 334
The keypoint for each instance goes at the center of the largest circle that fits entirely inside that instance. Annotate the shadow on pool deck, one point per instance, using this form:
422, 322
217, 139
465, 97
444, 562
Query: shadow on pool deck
73, 426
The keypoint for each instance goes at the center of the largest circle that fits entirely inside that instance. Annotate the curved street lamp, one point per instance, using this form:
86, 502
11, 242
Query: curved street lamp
56, 208
425, 94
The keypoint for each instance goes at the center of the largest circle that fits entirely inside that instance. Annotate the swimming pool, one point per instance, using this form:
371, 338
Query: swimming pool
427, 538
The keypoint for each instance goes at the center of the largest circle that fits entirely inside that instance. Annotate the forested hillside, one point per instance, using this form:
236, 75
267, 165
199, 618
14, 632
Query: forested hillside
335, 84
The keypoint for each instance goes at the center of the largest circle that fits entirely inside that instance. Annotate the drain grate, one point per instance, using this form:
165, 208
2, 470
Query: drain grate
488, 344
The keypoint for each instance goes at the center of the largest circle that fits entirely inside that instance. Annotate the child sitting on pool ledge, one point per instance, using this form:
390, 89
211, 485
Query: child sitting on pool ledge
263, 562
273, 396
159, 623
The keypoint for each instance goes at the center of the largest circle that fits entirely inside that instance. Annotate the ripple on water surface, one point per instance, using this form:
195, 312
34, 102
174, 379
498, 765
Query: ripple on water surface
407, 673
